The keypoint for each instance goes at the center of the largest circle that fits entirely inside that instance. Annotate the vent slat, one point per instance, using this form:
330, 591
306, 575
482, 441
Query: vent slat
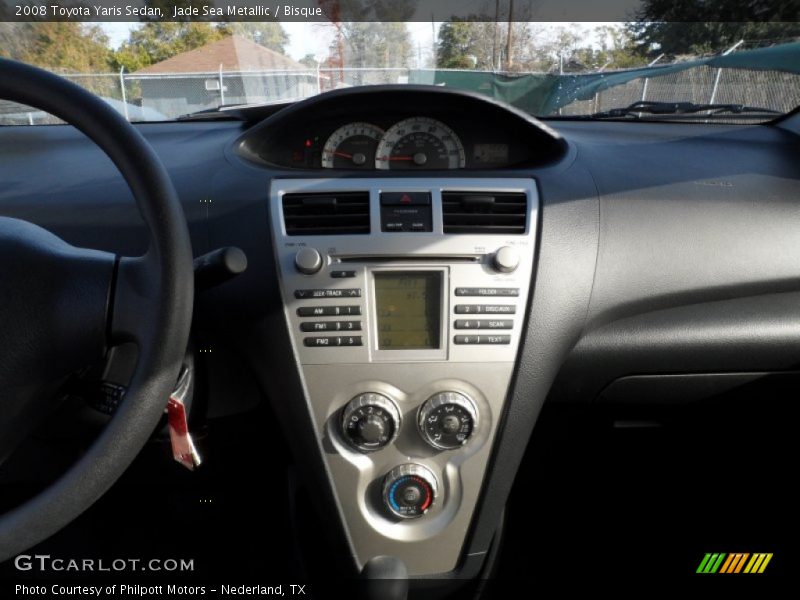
454, 208
326, 213
484, 218
346, 217
491, 213
488, 229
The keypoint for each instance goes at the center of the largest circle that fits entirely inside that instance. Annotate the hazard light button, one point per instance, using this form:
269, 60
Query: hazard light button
405, 198
406, 211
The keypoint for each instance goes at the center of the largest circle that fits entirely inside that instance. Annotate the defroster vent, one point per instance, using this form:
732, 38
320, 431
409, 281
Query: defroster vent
335, 213
484, 212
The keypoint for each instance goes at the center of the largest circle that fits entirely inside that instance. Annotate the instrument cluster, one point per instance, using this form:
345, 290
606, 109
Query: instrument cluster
409, 128
415, 143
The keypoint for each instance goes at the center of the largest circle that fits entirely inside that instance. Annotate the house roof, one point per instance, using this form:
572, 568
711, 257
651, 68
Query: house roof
234, 53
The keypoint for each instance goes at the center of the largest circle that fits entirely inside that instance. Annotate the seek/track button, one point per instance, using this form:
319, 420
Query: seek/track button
328, 293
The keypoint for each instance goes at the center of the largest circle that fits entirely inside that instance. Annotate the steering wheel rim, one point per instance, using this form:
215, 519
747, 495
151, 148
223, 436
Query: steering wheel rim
150, 303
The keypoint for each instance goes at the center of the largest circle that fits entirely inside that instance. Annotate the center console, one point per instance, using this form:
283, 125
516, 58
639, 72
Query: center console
405, 301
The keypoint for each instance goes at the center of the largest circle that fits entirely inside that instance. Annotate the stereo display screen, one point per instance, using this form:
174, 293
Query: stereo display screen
409, 309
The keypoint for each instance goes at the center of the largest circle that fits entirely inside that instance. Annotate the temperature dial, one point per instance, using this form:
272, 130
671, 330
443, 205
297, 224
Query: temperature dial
447, 420
409, 490
370, 421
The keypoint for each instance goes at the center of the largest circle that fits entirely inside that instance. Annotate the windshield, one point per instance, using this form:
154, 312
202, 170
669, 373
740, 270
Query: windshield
160, 71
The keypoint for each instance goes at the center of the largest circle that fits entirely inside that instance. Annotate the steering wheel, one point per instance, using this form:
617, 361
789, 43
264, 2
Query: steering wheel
63, 306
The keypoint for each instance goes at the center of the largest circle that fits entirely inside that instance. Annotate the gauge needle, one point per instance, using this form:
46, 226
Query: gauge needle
342, 154
398, 158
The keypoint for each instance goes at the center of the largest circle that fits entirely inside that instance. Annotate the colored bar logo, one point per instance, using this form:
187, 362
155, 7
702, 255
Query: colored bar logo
736, 562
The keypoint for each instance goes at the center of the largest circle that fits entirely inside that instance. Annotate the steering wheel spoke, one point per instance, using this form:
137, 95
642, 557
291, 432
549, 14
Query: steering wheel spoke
135, 292
54, 321
54, 317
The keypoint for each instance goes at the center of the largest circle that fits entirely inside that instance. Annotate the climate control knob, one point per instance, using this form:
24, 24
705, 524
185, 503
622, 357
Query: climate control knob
308, 261
370, 421
409, 490
446, 421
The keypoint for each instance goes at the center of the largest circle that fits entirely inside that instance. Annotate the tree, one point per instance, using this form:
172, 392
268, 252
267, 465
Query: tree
373, 44
157, 41
478, 43
67, 47
676, 27
617, 48
378, 37
309, 60
459, 46
576, 49
374, 11
269, 34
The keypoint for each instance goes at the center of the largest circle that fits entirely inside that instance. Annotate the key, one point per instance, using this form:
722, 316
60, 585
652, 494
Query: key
183, 448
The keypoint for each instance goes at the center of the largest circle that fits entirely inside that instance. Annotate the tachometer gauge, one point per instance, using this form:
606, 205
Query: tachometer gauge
352, 146
419, 143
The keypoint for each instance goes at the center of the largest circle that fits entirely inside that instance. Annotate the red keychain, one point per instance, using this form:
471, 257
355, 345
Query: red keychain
183, 448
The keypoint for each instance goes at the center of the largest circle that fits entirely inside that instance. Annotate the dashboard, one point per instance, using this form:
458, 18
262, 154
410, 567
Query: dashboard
426, 267
377, 130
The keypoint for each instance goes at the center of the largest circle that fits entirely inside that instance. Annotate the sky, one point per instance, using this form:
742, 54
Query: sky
315, 38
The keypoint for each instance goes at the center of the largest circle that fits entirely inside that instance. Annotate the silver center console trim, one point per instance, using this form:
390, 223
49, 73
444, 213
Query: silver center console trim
334, 374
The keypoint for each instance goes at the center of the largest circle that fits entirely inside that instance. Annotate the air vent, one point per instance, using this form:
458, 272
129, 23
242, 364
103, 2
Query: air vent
484, 212
336, 213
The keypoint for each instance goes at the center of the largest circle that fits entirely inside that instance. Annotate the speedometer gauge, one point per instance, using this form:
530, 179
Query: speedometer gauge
352, 146
419, 143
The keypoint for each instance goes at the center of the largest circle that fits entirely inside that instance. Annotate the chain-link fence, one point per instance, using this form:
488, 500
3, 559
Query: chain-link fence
156, 97
774, 90
108, 86
167, 96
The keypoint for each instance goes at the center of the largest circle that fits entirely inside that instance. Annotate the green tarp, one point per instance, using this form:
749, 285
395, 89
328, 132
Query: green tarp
545, 93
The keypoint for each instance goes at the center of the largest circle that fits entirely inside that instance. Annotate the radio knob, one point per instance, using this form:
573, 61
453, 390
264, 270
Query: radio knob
370, 421
308, 261
447, 420
409, 490
506, 259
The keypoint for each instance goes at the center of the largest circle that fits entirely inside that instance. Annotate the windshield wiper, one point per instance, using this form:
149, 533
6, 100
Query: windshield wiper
236, 111
637, 109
